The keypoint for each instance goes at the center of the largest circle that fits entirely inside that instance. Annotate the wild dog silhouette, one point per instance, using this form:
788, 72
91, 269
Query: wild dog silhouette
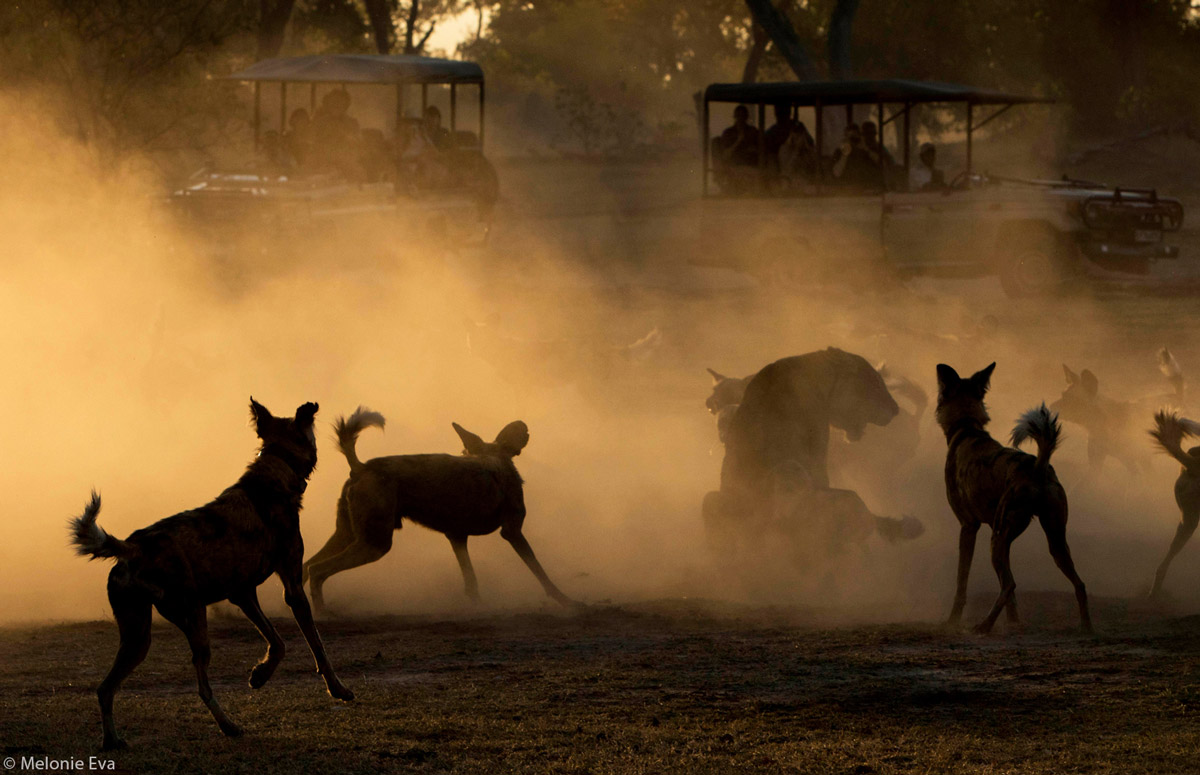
1169, 432
221, 551
458, 496
990, 484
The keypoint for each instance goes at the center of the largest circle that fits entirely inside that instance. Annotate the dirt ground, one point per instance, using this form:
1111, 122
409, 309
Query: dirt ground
687, 686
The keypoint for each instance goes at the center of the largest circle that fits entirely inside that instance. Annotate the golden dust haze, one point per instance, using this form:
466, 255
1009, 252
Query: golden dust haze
131, 353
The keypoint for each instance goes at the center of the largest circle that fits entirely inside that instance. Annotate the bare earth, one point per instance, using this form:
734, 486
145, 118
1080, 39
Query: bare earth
670, 686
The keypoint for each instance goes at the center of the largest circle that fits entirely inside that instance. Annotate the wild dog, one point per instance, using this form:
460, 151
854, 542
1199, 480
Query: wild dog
471, 495
1114, 427
221, 551
990, 484
1169, 432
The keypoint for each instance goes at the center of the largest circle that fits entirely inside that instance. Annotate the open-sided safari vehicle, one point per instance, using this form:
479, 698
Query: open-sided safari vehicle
775, 196
355, 145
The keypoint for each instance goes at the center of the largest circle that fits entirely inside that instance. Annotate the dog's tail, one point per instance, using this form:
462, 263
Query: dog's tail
1169, 432
895, 530
91, 540
1041, 425
347, 430
1170, 369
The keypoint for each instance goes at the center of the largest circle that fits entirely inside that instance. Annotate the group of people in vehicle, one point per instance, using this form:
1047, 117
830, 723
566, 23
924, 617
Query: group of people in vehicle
330, 141
785, 159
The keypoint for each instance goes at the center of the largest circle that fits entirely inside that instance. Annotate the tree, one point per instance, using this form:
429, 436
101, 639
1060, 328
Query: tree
778, 27
273, 19
419, 19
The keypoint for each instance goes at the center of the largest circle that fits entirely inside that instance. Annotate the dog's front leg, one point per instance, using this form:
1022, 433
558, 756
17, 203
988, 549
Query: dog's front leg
1001, 544
966, 553
293, 595
517, 540
275, 647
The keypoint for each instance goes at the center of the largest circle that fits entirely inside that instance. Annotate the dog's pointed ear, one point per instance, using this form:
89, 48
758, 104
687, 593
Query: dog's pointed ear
513, 438
717, 376
1072, 377
472, 444
259, 416
1091, 385
983, 378
306, 412
947, 376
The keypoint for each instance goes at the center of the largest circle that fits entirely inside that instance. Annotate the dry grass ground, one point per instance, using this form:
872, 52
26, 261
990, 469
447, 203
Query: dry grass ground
671, 686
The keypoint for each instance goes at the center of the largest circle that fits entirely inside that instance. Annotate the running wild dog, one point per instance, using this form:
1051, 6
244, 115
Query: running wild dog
220, 551
1169, 432
474, 494
990, 484
1114, 427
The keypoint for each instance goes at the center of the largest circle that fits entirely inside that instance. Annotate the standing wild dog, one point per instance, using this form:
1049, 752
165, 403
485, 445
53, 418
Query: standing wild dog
458, 496
1169, 432
990, 484
220, 551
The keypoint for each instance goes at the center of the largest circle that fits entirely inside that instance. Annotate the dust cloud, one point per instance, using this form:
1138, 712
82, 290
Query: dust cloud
132, 350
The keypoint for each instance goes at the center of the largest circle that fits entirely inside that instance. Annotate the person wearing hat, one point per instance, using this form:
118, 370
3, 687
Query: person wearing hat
926, 176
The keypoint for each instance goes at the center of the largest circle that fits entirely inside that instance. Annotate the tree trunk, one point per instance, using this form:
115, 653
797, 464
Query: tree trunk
757, 48
781, 33
841, 21
410, 27
380, 17
272, 23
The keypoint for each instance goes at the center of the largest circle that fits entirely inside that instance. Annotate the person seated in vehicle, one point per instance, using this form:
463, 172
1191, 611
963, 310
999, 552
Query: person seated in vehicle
735, 154
926, 176
879, 154
297, 140
777, 134
797, 159
739, 143
852, 164
335, 135
438, 136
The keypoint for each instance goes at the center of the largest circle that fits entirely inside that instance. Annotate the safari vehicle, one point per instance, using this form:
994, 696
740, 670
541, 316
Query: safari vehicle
1035, 235
345, 180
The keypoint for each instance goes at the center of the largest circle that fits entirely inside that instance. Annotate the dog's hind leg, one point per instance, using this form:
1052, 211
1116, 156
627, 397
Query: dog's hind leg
133, 620
517, 540
357, 553
966, 553
194, 623
459, 543
275, 647
1055, 527
1187, 526
343, 536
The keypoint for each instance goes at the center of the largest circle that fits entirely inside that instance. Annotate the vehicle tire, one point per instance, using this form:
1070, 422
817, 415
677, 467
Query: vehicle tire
1032, 263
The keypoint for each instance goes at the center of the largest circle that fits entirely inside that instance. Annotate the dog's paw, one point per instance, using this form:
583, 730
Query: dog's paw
260, 674
339, 692
114, 743
230, 729
983, 628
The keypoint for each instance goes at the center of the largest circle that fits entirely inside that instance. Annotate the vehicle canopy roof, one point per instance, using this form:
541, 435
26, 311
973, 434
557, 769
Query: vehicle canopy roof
860, 93
362, 68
